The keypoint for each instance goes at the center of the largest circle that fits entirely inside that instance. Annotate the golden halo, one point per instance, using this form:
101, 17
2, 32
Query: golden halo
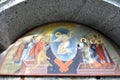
57, 34
91, 41
83, 39
99, 41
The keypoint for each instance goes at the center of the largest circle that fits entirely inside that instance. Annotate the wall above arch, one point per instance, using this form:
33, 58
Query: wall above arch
97, 14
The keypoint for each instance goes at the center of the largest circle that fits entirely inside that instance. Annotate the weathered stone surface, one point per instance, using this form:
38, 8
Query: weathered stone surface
96, 13
112, 27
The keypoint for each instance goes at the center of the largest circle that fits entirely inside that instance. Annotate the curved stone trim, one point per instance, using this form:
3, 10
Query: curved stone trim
114, 2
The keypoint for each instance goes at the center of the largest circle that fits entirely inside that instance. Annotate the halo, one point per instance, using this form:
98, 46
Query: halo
99, 41
82, 39
57, 34
91, 41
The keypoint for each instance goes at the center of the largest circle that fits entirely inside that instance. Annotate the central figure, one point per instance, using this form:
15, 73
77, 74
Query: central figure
65, 41
63, 44
63, 47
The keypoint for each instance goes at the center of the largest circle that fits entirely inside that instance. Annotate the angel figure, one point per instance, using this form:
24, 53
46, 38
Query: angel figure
64, 40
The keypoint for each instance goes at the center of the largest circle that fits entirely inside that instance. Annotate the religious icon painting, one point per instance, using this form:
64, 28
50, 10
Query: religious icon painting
61, 49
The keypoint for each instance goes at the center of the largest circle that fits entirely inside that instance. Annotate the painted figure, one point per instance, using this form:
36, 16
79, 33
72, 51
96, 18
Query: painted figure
18, 54
64, 39
85, 51
100, 52
64, 52
39, 52
93, 52
107, 56
28, 46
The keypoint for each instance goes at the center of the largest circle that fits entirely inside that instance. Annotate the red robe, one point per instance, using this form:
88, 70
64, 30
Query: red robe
100, 52
18, 54
37, 48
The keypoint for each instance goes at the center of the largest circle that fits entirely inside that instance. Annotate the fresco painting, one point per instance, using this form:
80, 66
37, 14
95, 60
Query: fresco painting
61, 49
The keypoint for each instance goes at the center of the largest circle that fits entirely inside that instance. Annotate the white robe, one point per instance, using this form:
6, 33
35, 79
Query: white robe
62, 48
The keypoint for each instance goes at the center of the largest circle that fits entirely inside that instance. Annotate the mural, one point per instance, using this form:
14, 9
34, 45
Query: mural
61, 49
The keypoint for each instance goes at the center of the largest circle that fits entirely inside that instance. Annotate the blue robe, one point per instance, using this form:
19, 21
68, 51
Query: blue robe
26, 51
93, 53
